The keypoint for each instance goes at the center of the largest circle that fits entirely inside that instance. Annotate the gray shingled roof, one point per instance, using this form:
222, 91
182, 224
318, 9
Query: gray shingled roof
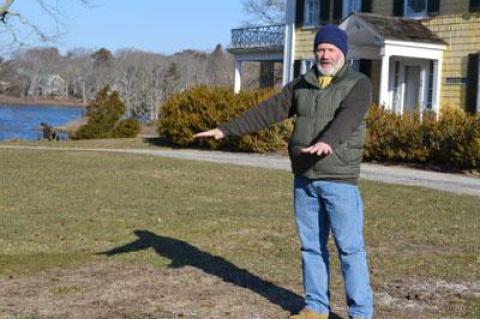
401, 29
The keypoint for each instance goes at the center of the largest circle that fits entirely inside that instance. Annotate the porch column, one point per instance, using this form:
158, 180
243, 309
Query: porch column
289, 42
238, 76
384, 77
437, 78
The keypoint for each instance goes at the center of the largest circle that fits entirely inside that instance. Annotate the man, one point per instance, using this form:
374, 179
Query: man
330, 103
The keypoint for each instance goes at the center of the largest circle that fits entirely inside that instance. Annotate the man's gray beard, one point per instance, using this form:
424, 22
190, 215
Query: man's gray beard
331, 71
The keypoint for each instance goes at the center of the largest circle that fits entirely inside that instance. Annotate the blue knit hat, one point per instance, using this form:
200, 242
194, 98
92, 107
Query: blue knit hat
332, 34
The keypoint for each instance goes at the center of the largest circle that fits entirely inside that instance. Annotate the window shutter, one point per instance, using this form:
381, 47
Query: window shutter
324, 11
430, 85
296, 68
365, 66
337, 11
433, 8
299, 12
472, 83
366, 6
474, 5
398, 8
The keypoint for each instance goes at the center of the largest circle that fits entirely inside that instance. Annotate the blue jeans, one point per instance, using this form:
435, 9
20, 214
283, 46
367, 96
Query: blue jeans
320, 206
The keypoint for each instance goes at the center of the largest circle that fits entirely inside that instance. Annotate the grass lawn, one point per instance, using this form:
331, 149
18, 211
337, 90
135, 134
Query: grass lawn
69, 219
152, 142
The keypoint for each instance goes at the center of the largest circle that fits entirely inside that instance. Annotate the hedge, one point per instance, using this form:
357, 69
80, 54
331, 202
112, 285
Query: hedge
451, 140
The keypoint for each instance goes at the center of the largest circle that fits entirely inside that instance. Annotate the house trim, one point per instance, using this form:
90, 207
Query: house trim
289, 46
415, 50
368, 43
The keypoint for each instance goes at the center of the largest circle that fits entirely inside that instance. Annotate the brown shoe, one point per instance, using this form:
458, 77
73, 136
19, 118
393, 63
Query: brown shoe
309, 314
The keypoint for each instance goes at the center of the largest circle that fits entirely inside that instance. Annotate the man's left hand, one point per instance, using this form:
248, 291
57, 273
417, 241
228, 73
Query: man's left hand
318, 149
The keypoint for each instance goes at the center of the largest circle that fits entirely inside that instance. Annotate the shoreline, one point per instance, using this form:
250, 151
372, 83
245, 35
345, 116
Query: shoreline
39, 102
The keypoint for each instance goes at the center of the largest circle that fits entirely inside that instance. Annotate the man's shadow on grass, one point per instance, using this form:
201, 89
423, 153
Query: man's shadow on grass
182, 254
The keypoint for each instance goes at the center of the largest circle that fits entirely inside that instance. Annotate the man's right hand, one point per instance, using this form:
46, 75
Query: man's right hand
215, 133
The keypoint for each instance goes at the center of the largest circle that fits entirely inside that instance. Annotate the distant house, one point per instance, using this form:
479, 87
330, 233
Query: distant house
418, 53
4, 86
264, 44
48, 85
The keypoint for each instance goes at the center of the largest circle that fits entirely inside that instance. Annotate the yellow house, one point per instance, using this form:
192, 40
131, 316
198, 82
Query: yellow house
418, 53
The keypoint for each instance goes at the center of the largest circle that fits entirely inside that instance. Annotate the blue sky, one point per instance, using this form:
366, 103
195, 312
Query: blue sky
154, 25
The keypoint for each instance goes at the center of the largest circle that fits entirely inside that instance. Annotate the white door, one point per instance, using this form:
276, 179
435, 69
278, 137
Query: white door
412, 88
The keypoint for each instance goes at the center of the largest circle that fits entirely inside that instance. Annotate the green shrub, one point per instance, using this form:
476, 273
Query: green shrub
126, 128
456, 140
452, 140
392, 137
104, 118
201, 108
89, 131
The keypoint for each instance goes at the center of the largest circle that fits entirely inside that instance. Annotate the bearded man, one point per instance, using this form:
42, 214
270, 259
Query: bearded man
330, 103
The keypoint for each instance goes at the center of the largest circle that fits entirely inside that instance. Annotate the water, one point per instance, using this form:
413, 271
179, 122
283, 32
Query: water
23, 122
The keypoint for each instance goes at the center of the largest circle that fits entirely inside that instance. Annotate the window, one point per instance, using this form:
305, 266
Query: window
474, 5
355, 64
415, 8
351, 5
312, 13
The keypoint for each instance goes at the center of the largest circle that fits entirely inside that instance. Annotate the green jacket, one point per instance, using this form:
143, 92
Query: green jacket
334, 115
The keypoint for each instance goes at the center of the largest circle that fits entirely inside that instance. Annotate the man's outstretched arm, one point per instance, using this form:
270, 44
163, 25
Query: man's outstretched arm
215, 133
275, 109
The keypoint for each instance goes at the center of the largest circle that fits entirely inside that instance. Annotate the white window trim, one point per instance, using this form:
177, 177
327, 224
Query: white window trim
418, 16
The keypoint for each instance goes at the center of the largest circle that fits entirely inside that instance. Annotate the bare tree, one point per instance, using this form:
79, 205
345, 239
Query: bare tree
264, 11
138, 77
17, 30
143, 79
219, 67
36, 65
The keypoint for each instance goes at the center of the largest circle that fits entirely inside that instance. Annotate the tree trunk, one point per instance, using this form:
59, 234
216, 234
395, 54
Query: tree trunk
84, 94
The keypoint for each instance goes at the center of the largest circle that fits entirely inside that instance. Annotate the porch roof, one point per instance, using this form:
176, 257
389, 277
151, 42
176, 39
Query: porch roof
372, 36
394, 28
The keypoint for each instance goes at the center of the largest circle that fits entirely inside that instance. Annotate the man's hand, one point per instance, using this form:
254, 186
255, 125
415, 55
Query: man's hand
318, 149
215, 133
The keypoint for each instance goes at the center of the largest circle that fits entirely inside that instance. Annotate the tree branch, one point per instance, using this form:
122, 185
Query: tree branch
19, 31
4, 9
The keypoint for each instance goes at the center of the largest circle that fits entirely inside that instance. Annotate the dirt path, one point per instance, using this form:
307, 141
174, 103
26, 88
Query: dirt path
118, 291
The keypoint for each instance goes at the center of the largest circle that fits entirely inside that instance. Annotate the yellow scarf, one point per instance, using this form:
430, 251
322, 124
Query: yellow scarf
324, 80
